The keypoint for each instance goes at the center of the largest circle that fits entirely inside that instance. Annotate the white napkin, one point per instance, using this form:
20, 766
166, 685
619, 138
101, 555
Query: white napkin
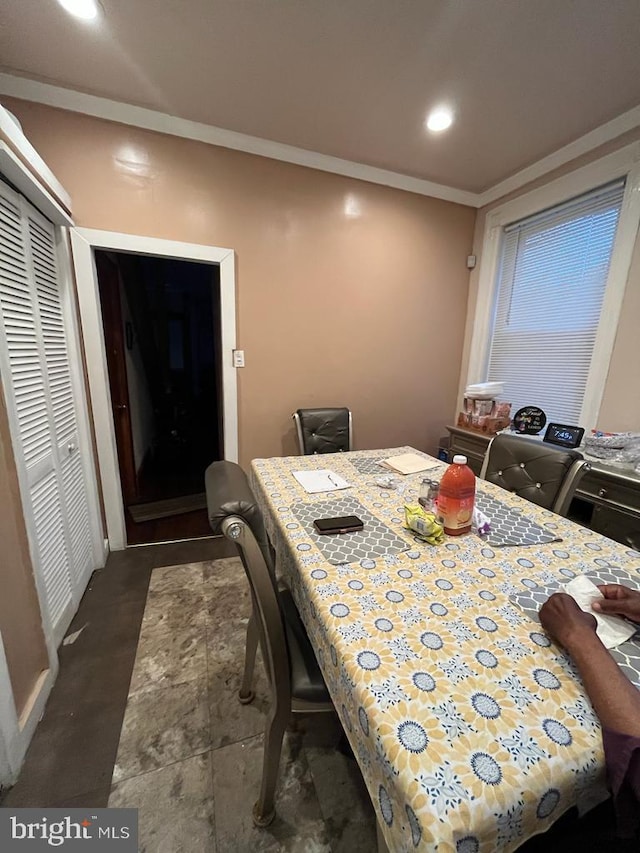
612, 630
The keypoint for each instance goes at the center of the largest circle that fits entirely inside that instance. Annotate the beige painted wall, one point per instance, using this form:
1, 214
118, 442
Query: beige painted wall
365, 311
620, 408
20, 619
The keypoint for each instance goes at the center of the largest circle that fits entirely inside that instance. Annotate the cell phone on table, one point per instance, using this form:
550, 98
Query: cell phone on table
339, 524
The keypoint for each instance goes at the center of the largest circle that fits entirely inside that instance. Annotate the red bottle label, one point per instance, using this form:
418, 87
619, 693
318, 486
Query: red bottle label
455, 513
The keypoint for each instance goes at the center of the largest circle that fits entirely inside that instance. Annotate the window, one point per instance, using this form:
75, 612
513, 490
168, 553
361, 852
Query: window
551, 280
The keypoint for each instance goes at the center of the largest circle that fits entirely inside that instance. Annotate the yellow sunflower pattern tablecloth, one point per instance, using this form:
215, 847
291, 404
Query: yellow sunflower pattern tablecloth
470, 726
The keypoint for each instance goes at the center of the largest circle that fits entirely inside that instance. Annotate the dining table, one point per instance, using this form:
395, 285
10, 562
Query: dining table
470, 725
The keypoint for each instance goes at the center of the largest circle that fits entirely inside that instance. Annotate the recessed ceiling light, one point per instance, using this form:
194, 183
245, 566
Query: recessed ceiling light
85, 9
439, 119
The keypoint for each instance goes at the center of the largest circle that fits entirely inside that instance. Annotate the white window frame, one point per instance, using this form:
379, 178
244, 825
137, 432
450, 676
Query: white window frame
624, 163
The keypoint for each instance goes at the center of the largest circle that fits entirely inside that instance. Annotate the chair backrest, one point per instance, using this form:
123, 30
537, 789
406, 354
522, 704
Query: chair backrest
234, 513
323, 430
544, 475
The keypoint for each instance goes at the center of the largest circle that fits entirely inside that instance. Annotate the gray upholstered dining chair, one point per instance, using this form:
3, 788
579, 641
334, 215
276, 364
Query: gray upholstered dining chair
323, 430
295, 681
544, 475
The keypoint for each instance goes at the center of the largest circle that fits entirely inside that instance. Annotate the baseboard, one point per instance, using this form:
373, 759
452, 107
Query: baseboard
29, 719
32, 700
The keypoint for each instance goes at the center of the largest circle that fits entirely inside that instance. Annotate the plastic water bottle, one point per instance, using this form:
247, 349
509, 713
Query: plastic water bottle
456, 498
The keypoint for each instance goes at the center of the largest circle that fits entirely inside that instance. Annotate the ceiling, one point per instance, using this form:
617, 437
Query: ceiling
353, 79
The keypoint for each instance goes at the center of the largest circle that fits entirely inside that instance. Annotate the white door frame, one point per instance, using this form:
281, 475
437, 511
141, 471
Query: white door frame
84, 241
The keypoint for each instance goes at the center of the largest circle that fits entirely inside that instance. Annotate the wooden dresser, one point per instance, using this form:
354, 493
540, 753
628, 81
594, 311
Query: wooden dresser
471, 443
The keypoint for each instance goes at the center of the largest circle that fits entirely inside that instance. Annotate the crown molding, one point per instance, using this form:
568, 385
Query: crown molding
583, 145
104, 108
79, 102
25, 151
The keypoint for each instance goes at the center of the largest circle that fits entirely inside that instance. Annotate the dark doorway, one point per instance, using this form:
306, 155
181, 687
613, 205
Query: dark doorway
161, 321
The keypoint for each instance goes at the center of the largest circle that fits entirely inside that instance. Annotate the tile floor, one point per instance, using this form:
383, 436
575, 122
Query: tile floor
144, 713
190, 755
71, 757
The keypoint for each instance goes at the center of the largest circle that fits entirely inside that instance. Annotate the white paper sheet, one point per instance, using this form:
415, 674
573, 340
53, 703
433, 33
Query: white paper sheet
612, 630
324, 480
408, 463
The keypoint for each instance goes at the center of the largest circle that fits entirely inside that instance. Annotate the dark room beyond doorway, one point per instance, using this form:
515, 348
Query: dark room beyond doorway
161, 321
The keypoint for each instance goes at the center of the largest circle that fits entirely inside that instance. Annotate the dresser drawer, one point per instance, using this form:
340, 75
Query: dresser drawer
476, 442
472, 446
599, 488
619, 526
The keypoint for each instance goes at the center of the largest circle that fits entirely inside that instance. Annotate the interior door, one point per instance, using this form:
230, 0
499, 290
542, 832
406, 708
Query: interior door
41, 407
109, 287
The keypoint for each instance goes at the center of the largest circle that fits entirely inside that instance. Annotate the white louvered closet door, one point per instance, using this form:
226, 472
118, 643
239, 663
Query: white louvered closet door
61, 397
40, 401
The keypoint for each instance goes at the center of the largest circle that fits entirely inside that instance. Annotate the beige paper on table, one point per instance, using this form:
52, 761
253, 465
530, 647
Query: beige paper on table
408, 463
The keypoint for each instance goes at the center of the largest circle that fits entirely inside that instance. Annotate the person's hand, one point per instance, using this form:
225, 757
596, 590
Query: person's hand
565, 621
619, 601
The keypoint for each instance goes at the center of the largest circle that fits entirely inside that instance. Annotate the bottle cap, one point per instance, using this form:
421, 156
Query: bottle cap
459, 459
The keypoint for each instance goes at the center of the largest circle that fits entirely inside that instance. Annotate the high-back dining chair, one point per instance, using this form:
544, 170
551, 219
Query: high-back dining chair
323, 430
295, 681
544, 475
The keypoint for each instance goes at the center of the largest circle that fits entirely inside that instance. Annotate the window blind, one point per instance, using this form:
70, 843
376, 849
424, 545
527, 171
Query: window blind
552, 277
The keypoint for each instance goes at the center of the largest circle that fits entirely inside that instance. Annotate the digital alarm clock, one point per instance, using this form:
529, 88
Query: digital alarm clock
563, 435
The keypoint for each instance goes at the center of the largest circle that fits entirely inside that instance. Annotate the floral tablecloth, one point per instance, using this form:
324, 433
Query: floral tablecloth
470, 726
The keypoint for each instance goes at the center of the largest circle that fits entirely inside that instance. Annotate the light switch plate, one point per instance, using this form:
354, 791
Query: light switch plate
238, 358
